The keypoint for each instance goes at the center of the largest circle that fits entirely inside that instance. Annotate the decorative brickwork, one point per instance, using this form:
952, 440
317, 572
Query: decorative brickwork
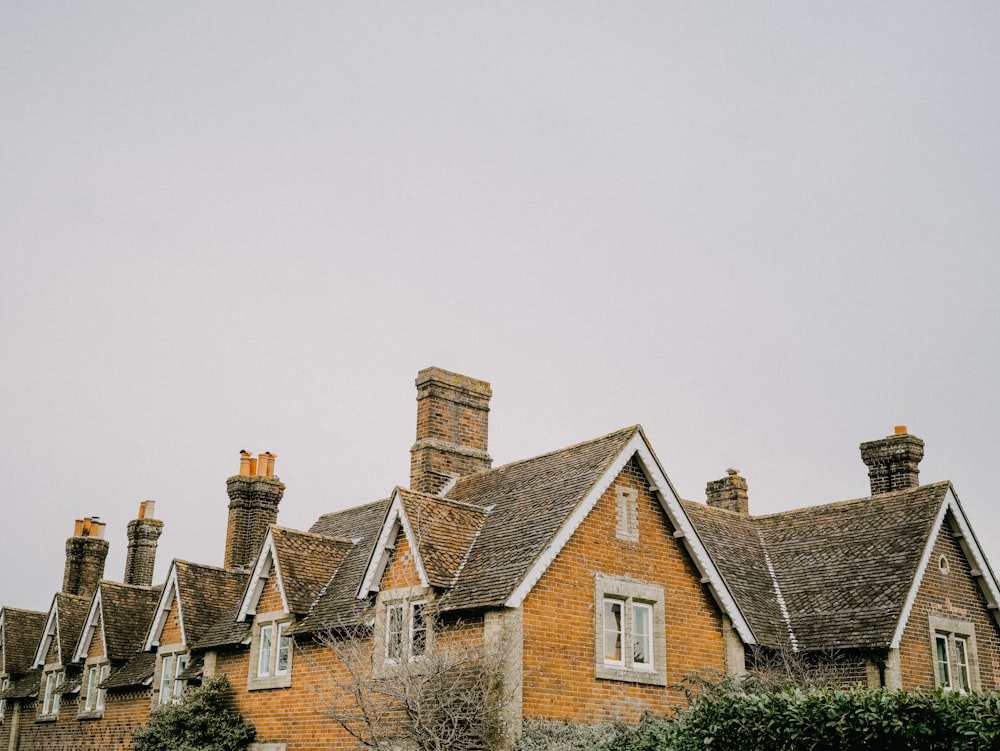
452, 429
85, 558
141, 558
893, 462
253, 507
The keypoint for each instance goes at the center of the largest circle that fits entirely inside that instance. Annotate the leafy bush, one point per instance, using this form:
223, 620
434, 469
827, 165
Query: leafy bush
202, 720
730, 718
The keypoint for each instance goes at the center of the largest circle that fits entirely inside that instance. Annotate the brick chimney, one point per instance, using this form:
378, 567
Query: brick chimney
893, 462
86, 552
254, 495
143, 533
729, 493
452, 429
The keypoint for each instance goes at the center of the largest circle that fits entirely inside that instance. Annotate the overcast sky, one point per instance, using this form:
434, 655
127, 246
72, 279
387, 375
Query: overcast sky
765, 231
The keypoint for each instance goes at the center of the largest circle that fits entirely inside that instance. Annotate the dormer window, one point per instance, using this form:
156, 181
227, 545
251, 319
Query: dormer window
271, 651
171, 685
94, 673
52, 679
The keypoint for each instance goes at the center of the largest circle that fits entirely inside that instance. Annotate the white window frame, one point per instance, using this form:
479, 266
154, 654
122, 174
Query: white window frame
404, 630
959, 671
4, 685
95, 672
628, 596
271, 651
52, 678
172, 662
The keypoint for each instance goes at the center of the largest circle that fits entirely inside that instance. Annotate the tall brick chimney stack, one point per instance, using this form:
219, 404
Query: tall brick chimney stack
86, 552
893, 462
143, 533
254, 495
452, 429
729, 493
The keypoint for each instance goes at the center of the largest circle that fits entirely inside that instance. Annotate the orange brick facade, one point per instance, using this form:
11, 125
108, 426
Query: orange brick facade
559, 617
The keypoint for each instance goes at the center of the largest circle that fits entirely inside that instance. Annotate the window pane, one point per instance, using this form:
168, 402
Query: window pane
105, 669
166, 676
182, 661
264, 656
394, 633
943, 661
613, 631
642, 635
47, 702
963, 681
55, 695
418, 631
284, 647
91, 701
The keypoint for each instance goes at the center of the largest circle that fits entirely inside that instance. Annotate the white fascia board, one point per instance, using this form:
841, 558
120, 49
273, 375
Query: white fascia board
50, 631
266, 560
925, 557
90, 628
664, 490
987, 580
395, 518
167, 597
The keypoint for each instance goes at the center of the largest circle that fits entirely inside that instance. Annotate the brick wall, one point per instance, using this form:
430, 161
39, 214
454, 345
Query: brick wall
953, 595
559, 619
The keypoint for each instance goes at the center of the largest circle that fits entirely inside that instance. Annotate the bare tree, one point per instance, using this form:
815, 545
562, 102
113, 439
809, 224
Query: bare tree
455, 696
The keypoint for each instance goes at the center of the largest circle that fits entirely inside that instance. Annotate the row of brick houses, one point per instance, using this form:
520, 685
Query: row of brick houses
613, 588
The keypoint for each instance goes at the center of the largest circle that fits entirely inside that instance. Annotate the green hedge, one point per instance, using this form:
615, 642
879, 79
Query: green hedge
730, 719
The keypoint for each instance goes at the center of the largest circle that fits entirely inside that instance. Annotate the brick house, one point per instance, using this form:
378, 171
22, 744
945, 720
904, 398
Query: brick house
606, 588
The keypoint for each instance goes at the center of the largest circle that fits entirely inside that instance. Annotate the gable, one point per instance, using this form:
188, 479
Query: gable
272, 598
167, 626
637, 449
396, 527
948, 592
401, 570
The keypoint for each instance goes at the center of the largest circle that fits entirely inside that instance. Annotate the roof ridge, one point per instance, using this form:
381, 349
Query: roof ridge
306, 533
865, 499
622, 431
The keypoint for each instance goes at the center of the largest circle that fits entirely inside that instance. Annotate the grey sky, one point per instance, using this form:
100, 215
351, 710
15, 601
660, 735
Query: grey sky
765, 231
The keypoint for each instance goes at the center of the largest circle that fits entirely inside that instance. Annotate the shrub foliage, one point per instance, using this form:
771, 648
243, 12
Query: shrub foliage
731, 718
203, 720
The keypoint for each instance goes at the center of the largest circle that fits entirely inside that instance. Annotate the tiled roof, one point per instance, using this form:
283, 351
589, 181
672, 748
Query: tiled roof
138, 671
445, 530
337, 603
22, 631
528, 502
207, 594
307, 561
844, 569
24, 687
126, 612
72, 616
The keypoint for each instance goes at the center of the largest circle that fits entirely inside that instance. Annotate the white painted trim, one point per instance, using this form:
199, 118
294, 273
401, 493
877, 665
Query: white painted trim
51, 630
970, 546
670, 502
395, 519
255, 586
167, 596
90, 627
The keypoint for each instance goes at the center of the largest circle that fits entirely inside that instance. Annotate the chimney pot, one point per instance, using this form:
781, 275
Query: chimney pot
900, 430
143, 534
